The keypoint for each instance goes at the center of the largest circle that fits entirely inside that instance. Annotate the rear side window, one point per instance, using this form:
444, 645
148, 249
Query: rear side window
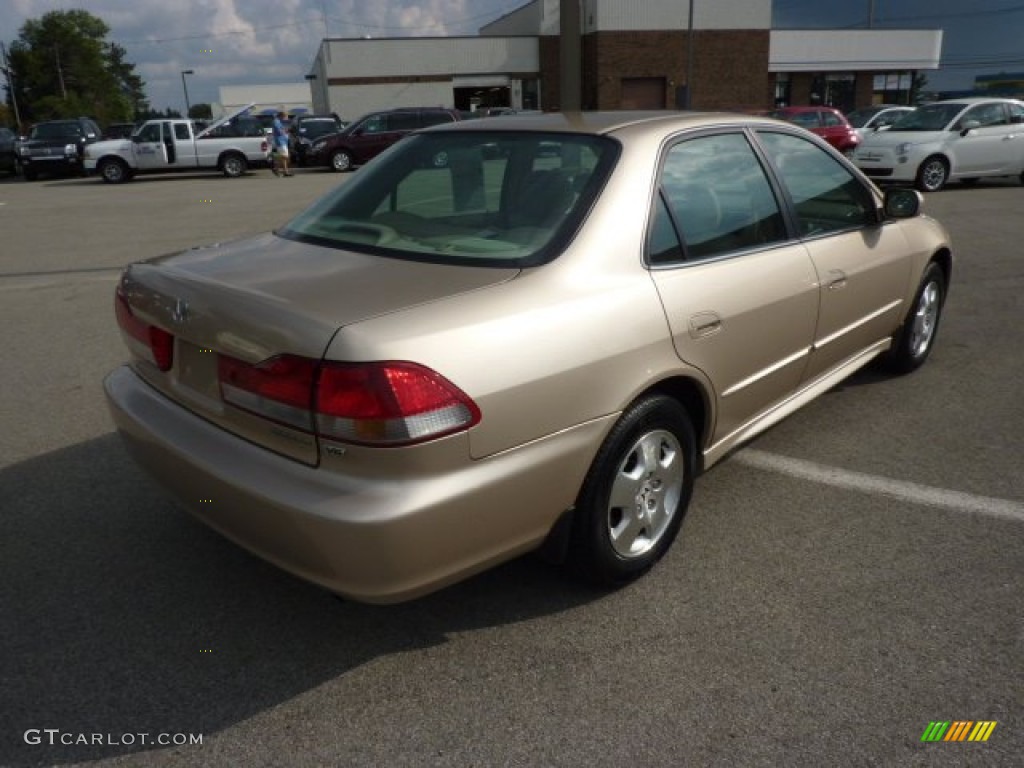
402, 121
826, 196
715, 198
428, 119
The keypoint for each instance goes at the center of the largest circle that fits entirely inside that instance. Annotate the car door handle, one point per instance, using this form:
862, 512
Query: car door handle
836, 279
704, 324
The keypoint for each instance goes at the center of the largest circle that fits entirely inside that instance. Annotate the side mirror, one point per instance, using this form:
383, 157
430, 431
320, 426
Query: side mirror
901, 203
968, 126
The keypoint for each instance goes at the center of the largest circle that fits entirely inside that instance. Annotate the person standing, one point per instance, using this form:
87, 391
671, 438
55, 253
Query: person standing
280, 139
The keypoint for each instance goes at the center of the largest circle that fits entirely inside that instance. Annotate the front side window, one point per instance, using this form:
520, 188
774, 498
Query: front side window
150, 133
715, 193
984, 115
374, 124
488, 198
827, 197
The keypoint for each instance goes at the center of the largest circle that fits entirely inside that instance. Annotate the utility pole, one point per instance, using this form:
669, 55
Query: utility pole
871, 14
10, 87
570, 52
689, 58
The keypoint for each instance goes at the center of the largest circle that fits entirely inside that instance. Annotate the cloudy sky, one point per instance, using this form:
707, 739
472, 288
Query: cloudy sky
235, 42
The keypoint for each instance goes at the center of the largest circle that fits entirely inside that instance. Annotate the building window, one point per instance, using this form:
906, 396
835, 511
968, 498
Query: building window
892, 88
783, 89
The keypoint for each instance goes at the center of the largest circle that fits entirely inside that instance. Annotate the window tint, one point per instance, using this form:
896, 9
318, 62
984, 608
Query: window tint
374, 124
150, 132
469, 197
663, 246
719, 196
985, 115
827, 197
181, 132
402, 121
429, 118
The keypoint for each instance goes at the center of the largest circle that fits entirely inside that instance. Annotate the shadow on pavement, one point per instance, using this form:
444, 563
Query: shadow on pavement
123, 615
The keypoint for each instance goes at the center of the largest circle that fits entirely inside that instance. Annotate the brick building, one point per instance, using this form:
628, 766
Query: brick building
632, 54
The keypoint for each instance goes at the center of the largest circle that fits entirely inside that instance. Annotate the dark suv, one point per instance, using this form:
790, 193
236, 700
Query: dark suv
305, 129
371, 134
56, 147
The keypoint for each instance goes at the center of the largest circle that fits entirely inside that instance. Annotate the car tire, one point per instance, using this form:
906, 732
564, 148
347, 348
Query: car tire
114, 171
635, 494
341, 161
914, 341
233, 165
932, 174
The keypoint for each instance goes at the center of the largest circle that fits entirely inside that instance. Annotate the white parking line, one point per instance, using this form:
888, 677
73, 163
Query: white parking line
914, 493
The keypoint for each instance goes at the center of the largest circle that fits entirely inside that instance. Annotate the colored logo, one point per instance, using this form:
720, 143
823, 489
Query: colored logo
958, 730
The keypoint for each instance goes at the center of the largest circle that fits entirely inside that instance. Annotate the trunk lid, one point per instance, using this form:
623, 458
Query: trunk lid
266, 296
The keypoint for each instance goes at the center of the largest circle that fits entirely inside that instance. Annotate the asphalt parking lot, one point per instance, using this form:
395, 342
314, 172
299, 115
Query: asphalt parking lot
848, 578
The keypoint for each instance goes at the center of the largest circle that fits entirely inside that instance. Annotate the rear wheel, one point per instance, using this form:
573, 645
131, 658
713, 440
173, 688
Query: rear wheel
114, 171
915, 339
341, 161
233, 166
635, 494
932, 174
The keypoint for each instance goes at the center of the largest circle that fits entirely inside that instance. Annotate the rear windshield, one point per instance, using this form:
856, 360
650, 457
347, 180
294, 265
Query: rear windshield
509, 198
56, 131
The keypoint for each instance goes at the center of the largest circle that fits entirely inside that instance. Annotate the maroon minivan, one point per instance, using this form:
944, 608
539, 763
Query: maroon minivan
371, 134
827, 122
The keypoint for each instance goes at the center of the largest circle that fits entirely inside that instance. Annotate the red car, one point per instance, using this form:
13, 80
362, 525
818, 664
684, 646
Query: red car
827, 122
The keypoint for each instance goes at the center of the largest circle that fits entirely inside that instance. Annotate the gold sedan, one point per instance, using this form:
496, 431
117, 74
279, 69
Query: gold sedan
520, 333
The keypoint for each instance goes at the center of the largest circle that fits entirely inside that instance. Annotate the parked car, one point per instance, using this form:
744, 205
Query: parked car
56, 147
956, 140
371, 134
8, 150
433, 370
827, 122
305, 129
876, 118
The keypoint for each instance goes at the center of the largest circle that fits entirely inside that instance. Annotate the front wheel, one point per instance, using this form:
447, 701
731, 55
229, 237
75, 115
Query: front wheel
635, 495
914, 341
932, 175
341, 161
113, 171
233, 166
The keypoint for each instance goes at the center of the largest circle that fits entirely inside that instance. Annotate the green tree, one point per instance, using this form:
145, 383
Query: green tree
65, 67
200, 112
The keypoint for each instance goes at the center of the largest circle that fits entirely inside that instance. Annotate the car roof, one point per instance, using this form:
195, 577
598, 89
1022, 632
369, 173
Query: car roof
600, 123
977, 100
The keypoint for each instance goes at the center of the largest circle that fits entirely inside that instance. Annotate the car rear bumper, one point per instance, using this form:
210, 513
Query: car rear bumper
379, 539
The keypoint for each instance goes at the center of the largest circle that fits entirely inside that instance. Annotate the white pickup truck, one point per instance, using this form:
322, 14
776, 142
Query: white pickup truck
230, 145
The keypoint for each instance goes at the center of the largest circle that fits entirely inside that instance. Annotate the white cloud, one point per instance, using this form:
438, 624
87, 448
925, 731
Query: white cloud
241, 42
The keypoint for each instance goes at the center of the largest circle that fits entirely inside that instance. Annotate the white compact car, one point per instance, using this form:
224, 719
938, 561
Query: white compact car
876, 118
958, 140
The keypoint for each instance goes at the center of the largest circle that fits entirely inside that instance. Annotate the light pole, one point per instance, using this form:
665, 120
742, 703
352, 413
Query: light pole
185, 88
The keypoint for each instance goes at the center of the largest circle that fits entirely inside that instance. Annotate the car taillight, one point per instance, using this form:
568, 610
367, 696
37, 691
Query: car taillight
280, 388
380, 403
154, 344
389, 403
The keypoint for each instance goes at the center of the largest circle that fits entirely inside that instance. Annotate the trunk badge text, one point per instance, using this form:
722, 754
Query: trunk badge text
180, 312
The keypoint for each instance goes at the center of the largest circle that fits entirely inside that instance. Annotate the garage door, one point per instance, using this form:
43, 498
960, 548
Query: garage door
643, 93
